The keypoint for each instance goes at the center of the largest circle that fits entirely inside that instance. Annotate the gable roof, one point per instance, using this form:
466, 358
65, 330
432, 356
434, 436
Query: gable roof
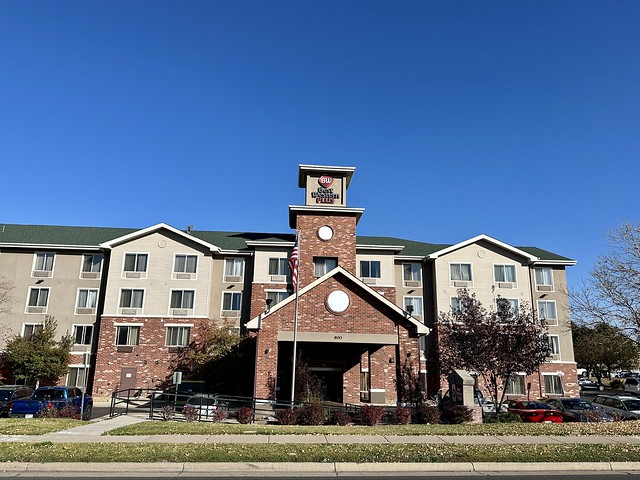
254, 324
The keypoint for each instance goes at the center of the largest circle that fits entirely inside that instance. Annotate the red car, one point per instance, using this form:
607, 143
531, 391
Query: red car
537, 412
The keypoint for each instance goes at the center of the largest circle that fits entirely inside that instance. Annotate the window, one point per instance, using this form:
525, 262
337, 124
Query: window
323, 265
416, 303
370, 268
277, 296
30, 329
44, 262
91, 263
547, 311
82, 334
554, 344
87, 299
127, 335
553, 384
231, 301
233, 269
412, 272
515, 385
38, 300
185, 264
364, 387
131, 298
178, 336
504, 273
182, 299
76, 377
544, 278
135, 262
460, 272
514, 304
278, 266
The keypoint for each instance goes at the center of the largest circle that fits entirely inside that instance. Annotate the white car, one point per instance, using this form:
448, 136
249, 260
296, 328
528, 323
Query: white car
621, 406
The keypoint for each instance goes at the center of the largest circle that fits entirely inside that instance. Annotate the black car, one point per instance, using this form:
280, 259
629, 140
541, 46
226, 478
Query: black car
9, 393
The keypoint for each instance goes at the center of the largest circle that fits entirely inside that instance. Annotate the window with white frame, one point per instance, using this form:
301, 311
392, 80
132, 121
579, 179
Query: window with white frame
370, 268
44, 262
504, 273
77, 376
185, 264
38, 300
178, 336
455, 303
515, 385
131, 298
323, 265
460, 272
547, 311
182, 299
91, 265
233, 269
554, 344
127, 335
415, 303
135, 262
278, 266
553, 384
30, 329
514, 304
544, 278
412, 274
277, 296
87, 299
231, 301
82, 334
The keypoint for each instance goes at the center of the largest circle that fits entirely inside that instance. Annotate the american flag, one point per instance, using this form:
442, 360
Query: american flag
293, 266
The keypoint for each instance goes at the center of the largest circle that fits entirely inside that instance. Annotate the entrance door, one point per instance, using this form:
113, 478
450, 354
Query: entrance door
128, 378
332, 383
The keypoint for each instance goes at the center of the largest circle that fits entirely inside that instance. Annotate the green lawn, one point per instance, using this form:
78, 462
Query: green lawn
36, 426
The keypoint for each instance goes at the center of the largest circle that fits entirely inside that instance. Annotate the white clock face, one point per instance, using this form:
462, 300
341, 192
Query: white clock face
325, 233
338, 301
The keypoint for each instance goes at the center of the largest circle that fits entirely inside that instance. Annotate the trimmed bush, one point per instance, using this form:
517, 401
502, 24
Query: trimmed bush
456, 414
244, 415
190, 413
341, 418
402, 415
426, 415
311, 415
219, 415
504, 417
616, 384
287, 417
371, 415
167, 413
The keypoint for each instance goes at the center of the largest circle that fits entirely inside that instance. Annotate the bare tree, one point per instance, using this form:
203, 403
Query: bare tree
6, 294
611, 294
496, 344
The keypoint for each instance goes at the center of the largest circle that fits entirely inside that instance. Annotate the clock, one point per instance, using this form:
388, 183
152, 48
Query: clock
325, 233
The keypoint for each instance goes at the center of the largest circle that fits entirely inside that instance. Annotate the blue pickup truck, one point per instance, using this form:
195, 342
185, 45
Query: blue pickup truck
51, 397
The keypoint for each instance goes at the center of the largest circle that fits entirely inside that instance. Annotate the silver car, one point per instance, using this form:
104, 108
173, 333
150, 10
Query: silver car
621, 406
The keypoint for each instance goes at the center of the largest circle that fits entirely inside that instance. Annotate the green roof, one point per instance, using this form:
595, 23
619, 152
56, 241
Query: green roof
94, 236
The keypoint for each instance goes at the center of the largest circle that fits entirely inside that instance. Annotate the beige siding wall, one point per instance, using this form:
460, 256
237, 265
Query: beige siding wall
261, 265
387, 273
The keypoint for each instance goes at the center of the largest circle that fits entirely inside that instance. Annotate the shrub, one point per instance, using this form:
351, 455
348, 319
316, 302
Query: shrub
48, 411
190, 413
286, 417
311, 415
456, 414
426, 414
68, 411
504, 417
167, 413
371, 415
402, 415
219, 415
616, 384
340, 417
244, 415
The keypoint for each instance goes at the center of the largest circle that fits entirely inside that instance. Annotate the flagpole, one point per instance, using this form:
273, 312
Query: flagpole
295, 319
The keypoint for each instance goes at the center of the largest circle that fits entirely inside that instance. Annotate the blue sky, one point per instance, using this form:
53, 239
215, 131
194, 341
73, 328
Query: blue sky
520, 120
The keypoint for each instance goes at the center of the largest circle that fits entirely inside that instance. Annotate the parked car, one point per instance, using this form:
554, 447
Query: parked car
9, 393
207, 406
588, 384
537, 412
52, 397
631, 384
579, 410
623, 406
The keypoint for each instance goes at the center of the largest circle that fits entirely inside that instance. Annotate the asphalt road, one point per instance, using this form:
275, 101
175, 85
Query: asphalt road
363, 476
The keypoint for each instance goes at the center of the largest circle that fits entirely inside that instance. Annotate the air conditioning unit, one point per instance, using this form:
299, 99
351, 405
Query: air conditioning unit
230, 313
129, 311
184, 276
132, 274
179, 312
370, 281
506, 285
279, 278
85, 311
36, 309
90, 275
412, 283
459, 283
551, 322
42, 273
232, 279
545, 288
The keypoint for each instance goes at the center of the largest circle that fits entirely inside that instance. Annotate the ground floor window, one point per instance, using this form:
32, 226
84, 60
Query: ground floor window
515, 385
77, 377
365, 395
553, 384
178, 336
